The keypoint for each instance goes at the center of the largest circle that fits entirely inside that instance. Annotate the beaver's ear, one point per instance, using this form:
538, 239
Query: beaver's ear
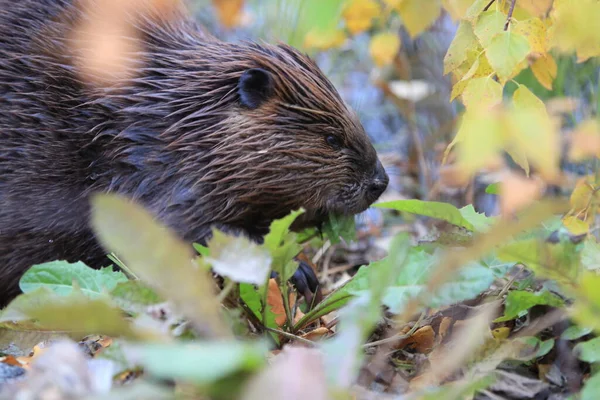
255, 87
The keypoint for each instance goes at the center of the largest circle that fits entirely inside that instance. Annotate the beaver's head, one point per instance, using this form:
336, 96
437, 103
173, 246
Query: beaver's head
248, 133
274, 135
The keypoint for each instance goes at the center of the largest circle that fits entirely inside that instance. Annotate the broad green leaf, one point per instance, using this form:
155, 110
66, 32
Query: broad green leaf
586, 306
575, 332
200, 362
443, 211
463, 41
59, 277
505, 52
279, 229
588, 351
480, 222
489, 24
543, 347
133, 296
340, 226
315, 19
239, 259
159, 259
482, 92
518, 302
72, 313
418, 15
493, 188
591, 389
590, 255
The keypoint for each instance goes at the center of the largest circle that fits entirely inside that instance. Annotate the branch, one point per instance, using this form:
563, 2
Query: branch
489, 5
510, 13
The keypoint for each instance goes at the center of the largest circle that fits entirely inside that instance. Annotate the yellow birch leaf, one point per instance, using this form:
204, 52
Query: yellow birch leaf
581, 197
359, 14
585, 141
229, 11
464, 40
535, 32
506, 52
418, 15
457, 8
531, 130
489, 24
480, 141
519, 157
576, 226
384, 47
480, 68
574, 27
475, 10
482, 92
537, 8
545, 70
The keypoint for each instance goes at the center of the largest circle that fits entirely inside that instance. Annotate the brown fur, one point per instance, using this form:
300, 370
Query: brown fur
177, 137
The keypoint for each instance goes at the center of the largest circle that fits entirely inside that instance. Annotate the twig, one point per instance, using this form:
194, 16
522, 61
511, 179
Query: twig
510, 13
291, 336
397, 338
489, 5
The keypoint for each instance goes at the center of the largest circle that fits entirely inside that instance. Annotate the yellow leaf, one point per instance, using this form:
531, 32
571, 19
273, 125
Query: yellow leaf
317, 39
482, 92
581, 197
489, 24
464, 40
576, 226
574, 27
229, 11
480, 68
545, 70
585, 141
536, 8
506, 52
359, 14
535, 32
519, 157
480, 141
457, 8
501, 333
475, 10
418, 15
384, 47
531, 130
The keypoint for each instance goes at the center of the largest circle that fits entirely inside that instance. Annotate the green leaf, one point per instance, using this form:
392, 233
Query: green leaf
489, 24
279, 229
518, 302
575, 332
340, 226
59, 276
543, 346
464, 40
505, 52
588, 351
201, 362
494, 188
591, 389
480, 221
134, 296
202, 250
590, 254
476, 9
482, 92
443, 211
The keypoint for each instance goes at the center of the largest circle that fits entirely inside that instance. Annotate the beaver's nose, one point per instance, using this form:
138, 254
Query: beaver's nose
379, 182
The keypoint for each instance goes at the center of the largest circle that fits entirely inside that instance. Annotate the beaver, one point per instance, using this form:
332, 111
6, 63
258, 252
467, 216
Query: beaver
206, 134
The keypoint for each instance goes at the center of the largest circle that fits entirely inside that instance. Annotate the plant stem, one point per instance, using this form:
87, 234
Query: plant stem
489, 5
510, 13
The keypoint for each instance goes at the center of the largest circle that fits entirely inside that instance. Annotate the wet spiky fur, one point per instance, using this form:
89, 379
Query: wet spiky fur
175, 138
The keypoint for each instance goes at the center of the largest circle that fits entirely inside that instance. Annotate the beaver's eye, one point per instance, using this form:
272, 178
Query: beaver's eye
334, 141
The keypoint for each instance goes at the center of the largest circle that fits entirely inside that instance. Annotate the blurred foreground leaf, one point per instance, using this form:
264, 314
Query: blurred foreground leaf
443, 211
158, 258
519, 301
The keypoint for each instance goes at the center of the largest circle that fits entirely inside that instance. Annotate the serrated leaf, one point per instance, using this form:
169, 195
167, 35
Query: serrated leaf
505, 52
534, 30
463, 41
489, 24
518, 302
433, 209
133, 296
59, 276
480, 221
482, 92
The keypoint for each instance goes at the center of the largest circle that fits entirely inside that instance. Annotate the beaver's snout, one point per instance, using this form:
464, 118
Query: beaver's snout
379, 182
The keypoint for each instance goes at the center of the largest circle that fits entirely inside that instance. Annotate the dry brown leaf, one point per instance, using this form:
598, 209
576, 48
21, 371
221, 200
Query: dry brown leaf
422, 340
517, 192
316, 334
275, 301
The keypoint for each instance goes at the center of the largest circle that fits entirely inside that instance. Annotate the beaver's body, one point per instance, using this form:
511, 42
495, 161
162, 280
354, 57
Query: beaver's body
205, 134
